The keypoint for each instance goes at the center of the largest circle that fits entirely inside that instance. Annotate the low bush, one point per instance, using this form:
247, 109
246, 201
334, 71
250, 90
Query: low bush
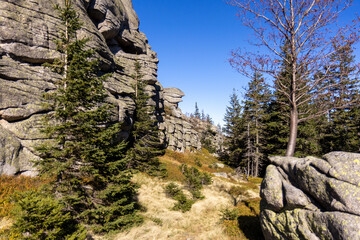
195, 180
11, 185
229, 214
184, 204
39, 216
242, 222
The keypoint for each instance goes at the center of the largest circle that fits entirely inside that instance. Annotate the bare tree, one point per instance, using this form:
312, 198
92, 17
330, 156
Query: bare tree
308, 30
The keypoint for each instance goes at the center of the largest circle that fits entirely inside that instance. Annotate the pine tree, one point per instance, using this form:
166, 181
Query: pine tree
39, 216
144, 143
342, 133
233, 129
256, 101
196, 112
277, 127
86, 159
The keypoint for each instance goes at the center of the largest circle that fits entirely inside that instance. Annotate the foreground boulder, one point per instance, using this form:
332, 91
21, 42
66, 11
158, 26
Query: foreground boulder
312, 198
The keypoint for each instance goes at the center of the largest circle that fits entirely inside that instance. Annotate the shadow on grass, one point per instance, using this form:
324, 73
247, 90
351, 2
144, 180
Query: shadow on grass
250, 226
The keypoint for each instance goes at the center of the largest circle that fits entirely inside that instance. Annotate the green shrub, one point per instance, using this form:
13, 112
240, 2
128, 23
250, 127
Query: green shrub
184, 204
195, 180
229, 214
197, 162
11, 185
172, 189
39, 216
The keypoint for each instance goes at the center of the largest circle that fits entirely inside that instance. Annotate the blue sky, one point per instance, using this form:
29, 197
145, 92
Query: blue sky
193, 40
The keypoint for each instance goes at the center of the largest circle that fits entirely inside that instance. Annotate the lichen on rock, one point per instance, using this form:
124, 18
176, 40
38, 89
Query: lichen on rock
312, 198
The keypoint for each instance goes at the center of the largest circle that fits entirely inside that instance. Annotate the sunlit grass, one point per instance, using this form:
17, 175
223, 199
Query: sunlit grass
174, 159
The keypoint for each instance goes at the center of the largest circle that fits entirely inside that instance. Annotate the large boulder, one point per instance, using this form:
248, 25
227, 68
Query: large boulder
312, 198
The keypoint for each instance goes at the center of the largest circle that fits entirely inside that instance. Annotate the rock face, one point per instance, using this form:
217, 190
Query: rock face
312, 198
180, 134
184, 133
27, 33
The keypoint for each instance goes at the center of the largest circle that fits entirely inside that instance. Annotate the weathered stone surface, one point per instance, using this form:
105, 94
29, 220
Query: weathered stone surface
12, 155
27, 33
312, 198
183, 133
172, 96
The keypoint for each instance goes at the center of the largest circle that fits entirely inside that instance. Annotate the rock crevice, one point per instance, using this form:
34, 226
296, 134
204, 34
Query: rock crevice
318, 198
27, 33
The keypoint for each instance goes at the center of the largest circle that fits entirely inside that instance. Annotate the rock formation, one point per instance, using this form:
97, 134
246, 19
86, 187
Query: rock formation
186, 133
180, 133
27, 33
312, 198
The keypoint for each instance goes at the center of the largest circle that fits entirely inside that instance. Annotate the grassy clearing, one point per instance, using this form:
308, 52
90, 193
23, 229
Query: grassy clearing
203, 221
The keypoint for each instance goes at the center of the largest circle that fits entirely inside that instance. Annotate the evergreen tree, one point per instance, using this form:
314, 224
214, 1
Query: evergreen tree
233, 129
277, 127
86, 159
203, 116
144, 142
341, 131
196, 112
39, 216
256, 101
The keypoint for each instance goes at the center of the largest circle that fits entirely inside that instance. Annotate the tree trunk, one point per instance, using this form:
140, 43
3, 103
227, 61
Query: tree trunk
293, 133
256, 159
249, 151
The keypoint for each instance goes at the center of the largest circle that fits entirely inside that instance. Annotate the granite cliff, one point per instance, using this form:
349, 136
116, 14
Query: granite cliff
27, 33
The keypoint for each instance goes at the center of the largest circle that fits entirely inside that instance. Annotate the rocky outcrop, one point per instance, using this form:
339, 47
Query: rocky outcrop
312, 198
27, 33
184, 133
180, 134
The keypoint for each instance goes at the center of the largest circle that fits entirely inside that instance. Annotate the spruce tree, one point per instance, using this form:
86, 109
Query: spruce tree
196, 112
341, 131
256, 101
144, 142
86, 160
233, 129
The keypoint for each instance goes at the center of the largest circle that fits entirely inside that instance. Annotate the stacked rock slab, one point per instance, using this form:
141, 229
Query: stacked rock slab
312, 198
180, 134
27, 33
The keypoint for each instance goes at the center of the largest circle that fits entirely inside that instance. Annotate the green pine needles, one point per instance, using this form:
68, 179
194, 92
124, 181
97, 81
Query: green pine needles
144, 143
86, 159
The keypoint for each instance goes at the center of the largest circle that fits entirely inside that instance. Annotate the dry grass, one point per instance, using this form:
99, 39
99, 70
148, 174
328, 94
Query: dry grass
201, 222
174, 159
5, 223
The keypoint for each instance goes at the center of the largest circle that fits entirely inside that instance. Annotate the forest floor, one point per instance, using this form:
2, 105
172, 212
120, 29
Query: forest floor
229, 210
